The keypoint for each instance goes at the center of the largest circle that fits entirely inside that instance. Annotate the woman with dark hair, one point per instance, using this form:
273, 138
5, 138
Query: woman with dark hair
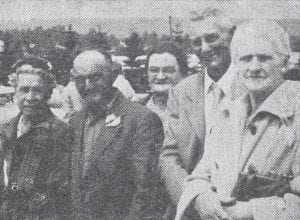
166, 66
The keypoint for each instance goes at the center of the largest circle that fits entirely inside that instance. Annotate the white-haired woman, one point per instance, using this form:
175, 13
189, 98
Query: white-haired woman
251, 164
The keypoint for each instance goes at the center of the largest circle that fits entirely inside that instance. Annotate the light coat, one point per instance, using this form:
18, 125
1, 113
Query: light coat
268, 140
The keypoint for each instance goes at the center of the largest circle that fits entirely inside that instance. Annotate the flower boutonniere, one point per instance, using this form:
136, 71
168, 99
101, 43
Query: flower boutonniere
112, 120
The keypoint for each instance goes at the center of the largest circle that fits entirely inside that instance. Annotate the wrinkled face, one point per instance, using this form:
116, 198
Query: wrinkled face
163, 72
31, 94
210, 43
259, 65
94, 84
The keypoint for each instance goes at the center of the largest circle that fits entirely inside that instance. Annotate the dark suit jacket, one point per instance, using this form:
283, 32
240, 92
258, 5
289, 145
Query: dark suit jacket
120, 180
38, 162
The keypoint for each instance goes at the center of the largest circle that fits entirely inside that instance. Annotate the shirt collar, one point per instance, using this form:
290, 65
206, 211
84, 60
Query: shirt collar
224, 83
280, 103
42, 121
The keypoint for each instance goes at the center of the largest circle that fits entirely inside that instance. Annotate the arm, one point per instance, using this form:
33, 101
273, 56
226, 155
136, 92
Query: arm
274, 207
147, 140
60, 176
170, 163
197, 186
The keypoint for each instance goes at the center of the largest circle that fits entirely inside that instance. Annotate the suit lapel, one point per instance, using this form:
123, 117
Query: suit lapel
109, 134
196, 110
77, 123
10, 132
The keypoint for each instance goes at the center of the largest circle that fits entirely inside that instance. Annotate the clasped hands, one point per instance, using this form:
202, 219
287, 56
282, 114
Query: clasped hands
208, 206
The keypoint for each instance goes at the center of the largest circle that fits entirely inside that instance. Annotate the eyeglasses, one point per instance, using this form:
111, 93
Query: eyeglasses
210, 38
165, 69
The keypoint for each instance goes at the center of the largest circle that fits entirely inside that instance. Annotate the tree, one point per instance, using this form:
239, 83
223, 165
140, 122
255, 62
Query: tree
96, 40
134, 47
70, 39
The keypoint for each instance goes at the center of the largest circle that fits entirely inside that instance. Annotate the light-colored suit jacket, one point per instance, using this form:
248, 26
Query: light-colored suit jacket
185, 134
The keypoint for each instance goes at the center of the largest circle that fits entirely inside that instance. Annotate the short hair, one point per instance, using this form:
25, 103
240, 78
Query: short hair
262, 29
222, 20
93, 59
173, 48
38, 66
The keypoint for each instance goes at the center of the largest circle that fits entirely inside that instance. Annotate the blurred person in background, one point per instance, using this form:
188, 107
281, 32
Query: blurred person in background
251, 164
166, 65
35, 150
292, 71
194, 101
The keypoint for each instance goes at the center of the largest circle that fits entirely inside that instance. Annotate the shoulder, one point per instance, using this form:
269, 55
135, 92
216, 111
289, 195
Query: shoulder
137, 110
189, 82
292, 87
57, 126
290, 91
190, 86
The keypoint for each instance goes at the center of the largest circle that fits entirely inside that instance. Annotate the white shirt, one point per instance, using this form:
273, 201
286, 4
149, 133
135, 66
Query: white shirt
225, 85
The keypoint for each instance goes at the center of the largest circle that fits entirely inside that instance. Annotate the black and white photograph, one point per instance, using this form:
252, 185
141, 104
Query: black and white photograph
149, 110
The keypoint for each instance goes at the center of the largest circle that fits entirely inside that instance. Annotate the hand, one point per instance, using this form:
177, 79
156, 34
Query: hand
240, 211
208, 206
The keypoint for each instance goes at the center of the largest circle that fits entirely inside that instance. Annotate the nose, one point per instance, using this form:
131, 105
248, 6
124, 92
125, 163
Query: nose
30, 96
161, 75
254, 65
88, 84
205, 47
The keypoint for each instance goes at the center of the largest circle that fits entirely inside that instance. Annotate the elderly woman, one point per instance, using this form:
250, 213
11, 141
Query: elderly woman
166, 65
251, 165
35, 150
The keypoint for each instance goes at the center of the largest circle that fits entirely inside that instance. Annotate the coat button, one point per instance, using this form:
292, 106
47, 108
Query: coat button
253, 129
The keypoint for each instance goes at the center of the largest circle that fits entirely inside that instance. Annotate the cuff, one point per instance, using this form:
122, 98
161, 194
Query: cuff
191, 190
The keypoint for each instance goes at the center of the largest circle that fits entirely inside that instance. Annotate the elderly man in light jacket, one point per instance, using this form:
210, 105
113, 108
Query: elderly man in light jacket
259, 131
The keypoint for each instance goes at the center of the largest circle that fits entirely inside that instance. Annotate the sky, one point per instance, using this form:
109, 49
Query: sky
137, 15
24, 10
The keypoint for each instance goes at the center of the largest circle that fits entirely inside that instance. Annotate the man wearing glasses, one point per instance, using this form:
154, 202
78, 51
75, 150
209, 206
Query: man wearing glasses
114, 156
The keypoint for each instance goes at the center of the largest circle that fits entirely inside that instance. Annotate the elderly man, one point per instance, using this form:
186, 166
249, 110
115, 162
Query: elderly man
195, 99
35, 154
251, 163
114, 159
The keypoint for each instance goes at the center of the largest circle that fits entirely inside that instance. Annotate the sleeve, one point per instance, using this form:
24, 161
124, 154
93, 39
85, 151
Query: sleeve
288, 207
170, 163
195, 184
146, 143
60, 176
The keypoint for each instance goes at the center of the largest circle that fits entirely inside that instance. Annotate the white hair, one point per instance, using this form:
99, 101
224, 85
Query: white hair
222, 21
261, 29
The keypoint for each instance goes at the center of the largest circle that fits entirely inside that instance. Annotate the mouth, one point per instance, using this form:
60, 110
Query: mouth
160, 87
255, 77
210, 57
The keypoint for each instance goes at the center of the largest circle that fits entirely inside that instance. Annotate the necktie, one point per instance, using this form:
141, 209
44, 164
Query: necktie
218, 95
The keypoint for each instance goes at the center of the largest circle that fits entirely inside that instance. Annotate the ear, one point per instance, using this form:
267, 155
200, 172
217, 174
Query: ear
231, 32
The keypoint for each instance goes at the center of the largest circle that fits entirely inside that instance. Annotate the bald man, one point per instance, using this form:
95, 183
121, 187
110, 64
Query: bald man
114, 157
